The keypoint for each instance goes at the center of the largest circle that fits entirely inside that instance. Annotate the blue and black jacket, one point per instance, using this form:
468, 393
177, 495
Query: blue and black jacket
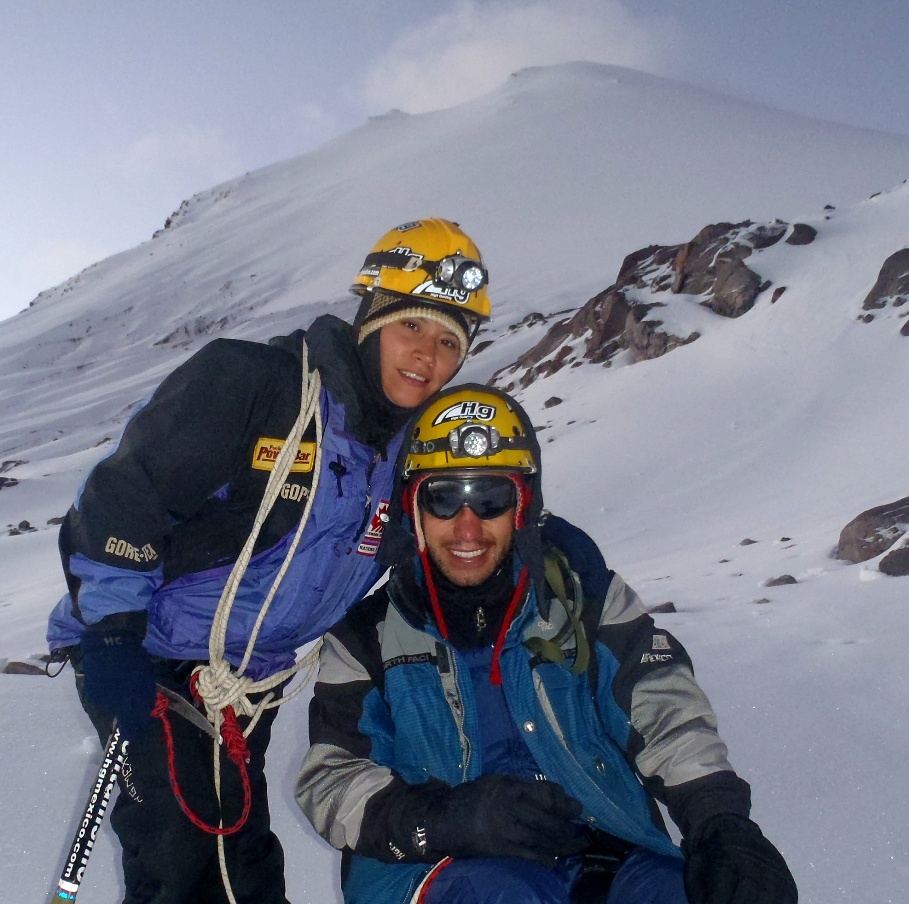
596, 698
159, 523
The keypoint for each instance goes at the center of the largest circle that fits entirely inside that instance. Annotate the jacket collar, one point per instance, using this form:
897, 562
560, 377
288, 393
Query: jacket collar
333, 351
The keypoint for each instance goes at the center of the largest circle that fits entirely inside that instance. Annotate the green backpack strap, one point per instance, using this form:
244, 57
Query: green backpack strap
555, 568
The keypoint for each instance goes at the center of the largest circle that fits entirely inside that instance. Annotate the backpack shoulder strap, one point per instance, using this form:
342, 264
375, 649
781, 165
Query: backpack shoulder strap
559, 576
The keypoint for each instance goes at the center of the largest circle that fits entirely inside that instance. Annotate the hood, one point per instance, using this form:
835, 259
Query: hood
334, 352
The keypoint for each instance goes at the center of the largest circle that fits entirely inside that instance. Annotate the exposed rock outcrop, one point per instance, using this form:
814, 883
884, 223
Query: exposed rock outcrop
16, 667
874, 531
896, 563
802, 234
892, 284
710, 270
781, 581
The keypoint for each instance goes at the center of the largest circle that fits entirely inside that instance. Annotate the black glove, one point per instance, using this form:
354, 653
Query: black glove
501, 816
119, 674
731, 862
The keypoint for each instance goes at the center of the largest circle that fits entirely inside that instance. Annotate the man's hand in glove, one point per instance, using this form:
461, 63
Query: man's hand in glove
731, 862
119, 674
501, 816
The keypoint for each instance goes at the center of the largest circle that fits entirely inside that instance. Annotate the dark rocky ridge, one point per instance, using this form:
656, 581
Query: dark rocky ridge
711, 266
874, 532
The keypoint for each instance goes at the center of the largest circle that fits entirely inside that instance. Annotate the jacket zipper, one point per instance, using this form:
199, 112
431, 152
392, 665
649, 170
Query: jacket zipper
451, 689
549, 712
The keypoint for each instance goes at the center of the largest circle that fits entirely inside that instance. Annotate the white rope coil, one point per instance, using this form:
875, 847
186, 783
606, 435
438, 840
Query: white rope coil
217, 683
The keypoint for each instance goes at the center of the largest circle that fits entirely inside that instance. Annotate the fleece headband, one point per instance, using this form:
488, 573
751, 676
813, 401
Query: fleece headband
386, 308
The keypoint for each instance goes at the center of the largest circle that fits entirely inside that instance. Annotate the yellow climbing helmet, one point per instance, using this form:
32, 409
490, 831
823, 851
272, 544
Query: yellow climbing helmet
470, 426
432, 260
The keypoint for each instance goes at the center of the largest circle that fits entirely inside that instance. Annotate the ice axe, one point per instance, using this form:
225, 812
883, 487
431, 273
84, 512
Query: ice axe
112, 764
92, 817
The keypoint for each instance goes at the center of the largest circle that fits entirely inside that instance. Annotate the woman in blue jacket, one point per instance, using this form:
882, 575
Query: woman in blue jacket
236, 520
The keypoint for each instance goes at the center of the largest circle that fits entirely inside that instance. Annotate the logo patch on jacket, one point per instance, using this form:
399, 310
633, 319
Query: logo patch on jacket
124, 550
660, 642
369, 545
267, 451
650, 658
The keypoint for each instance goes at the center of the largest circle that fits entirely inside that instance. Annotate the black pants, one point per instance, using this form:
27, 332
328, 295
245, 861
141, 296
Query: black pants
167, 859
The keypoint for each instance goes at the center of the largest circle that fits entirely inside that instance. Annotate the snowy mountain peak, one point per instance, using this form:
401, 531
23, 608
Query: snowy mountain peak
776, 427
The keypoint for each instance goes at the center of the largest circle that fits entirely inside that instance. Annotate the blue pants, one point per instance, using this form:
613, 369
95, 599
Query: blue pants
644, 878
648, 878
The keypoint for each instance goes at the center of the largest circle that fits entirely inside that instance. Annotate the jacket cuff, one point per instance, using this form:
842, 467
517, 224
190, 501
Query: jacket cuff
692, 804
121, 624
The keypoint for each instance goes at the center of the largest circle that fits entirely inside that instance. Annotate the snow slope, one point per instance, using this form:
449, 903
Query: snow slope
784, 423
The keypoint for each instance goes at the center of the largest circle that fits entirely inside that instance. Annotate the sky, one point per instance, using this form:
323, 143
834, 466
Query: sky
112, 115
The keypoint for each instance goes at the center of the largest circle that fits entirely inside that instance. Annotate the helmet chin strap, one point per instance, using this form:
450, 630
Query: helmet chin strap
523, 501
410, 506
433, 594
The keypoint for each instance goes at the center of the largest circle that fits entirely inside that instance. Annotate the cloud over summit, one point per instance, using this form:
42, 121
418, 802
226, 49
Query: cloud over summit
468, 51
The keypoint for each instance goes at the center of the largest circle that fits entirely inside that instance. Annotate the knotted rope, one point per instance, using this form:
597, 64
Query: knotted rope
225, 691
237, 752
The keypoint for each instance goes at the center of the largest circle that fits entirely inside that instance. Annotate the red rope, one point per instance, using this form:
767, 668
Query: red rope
237, 752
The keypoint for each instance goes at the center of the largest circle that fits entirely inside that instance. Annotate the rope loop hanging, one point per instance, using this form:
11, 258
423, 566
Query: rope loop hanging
237, 752
225, 691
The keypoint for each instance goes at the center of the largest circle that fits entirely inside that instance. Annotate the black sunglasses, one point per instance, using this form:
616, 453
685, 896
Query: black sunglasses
488, 496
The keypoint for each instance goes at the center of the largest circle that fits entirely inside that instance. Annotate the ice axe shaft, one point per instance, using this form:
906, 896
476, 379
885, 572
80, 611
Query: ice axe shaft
99, 797
92, 817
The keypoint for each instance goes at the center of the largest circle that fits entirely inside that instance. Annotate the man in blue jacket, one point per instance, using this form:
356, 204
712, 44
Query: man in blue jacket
236, 520
497, 723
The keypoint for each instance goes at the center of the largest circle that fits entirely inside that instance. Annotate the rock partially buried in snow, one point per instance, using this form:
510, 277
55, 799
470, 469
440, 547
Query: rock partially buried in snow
15, 667
892, 284
663, 607
873, 531
896, 563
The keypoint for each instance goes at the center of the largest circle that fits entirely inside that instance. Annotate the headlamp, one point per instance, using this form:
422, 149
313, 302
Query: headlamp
460, 272
454, 271
470, 440
473, 440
